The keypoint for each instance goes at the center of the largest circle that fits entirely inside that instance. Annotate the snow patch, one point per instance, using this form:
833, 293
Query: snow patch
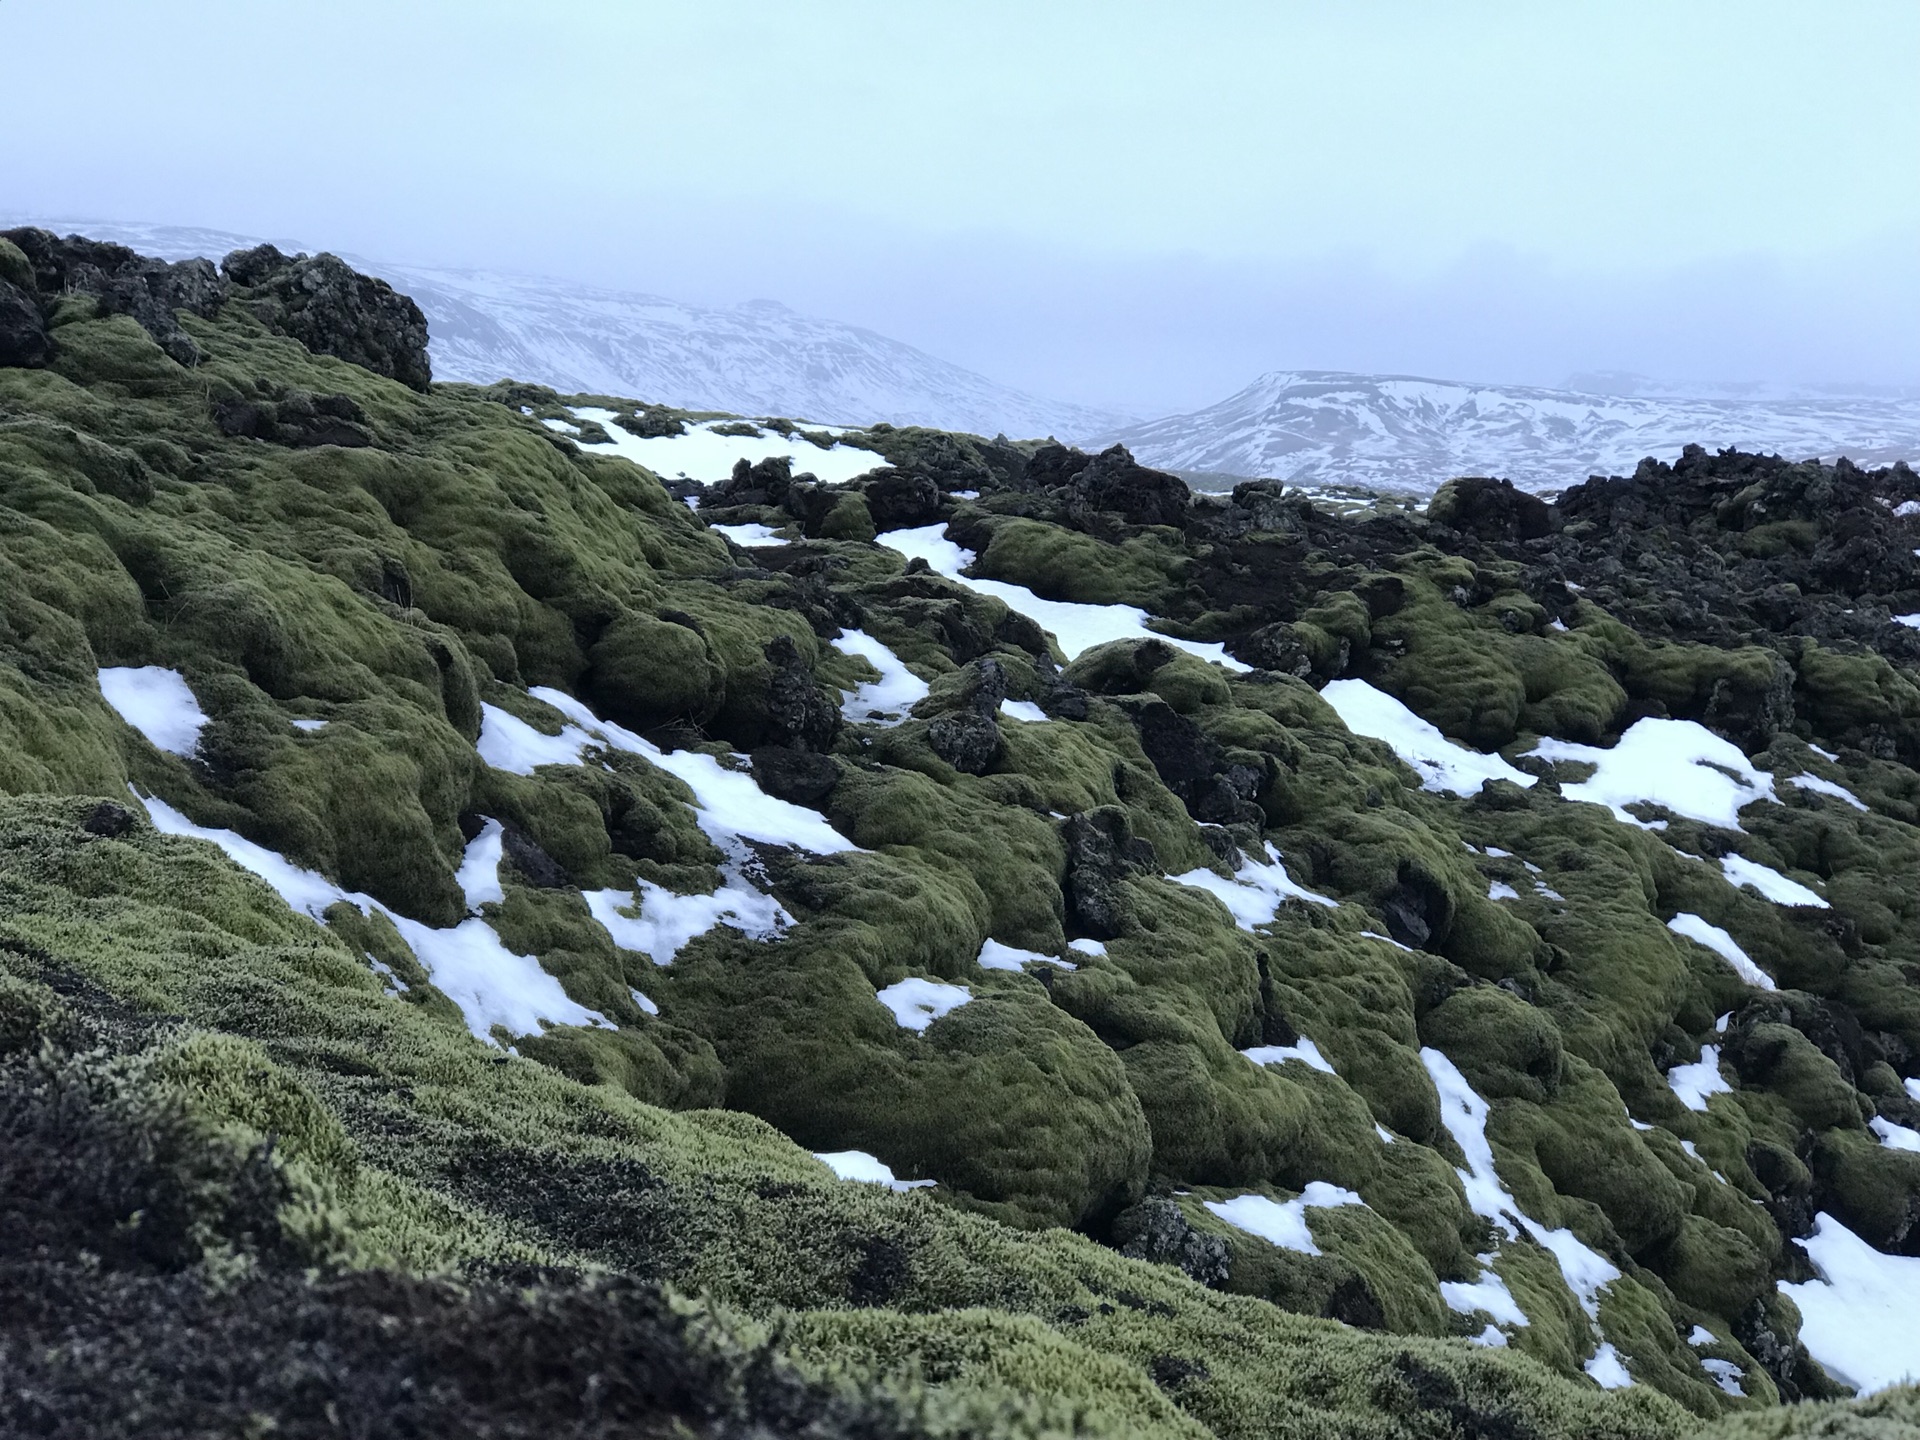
858, 1165
1303, 1050
643, 1001
1861, 1317
750, 536
1439, 762
887, 700
1696, 1082
1255, 893
309, 726
1678, 764
1283, 1223
1827, 787
1088, 947
917, 1003
702, 455
1894, 1137
995, 956
1022, 710
156, 702
1464, 1113
1774, 886
491, 985
666, 922
1607, 1369
1076, 626
1500, 890
1723, 945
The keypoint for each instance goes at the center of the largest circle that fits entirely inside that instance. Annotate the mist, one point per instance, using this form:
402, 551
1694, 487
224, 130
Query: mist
1118, 205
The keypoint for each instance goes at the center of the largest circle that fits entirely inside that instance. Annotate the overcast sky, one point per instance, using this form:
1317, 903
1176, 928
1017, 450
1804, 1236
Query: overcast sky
1133, 205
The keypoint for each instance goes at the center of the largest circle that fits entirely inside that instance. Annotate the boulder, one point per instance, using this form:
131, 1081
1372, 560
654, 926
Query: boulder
1490, 510
333, 309
123, 282
23, 330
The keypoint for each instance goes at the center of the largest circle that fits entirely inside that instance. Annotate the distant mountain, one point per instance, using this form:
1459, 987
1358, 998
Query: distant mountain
1400, 432
760, 358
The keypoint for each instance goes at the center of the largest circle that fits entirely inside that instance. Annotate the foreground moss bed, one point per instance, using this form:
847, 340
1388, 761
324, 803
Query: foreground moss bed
312, 1136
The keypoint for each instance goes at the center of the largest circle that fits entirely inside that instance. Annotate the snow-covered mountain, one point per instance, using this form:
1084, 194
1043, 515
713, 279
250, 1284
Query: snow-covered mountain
760, 358
1400, 432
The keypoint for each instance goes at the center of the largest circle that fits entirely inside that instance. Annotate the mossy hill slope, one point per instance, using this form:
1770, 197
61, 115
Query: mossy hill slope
443, 1146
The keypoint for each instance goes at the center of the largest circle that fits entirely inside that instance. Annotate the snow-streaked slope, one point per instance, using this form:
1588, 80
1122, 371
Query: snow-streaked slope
759, 359
1398, 432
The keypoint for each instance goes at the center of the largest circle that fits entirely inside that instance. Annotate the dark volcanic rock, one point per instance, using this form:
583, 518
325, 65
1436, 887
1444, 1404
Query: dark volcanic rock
1490, 509
966, 740
125, 283
799, 713
1102, 851
23, 331
333, 309
796, 776
1114, 480
1156, 1230
297, 419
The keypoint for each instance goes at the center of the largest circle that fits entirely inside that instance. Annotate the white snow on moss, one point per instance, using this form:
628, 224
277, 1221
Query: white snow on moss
995, 956
1861, 1317
1606, 1368
1827, 787
1700, 1336
887, 700
1464, 1113
158, 703
1088, 947
730, 802
643, 1001
750, 536
1303, 1050
702, 455
479, 874
917, 1003
1022, 710
309, 726
859, 1166
1678, 764
1912, 1088
1894, 1137
468, 963
1076, 626
1912, 622
1696, 1082
729, 806
1489, 1293
1256, 891
510, 743
1776, 887
1726, 1375
665, 922
1283, 1223
1722, 944
1441, 764
1500, 890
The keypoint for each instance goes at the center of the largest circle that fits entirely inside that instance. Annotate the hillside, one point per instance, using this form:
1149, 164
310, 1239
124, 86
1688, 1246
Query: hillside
760, 358
505, 933
1403, 433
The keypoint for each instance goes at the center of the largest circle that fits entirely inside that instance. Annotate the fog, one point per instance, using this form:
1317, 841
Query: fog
1133, 206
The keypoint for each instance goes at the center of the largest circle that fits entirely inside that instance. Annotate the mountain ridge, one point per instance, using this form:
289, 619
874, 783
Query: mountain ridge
758, 358
1410, 432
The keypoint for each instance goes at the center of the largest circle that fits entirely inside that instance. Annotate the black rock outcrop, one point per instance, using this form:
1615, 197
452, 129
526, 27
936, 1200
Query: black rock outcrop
121, 282
333, 309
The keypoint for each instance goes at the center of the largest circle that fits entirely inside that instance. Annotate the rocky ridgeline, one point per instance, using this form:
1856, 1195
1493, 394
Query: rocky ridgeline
1282, 966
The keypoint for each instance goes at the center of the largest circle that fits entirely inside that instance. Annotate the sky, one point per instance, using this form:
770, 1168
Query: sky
1136, 206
